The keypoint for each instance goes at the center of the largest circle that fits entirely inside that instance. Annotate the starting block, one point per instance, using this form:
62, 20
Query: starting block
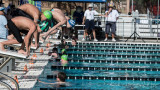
16, 45
12, 54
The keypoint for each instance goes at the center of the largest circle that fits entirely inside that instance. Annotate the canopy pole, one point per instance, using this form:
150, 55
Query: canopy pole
100, 6
132, 6
158, 11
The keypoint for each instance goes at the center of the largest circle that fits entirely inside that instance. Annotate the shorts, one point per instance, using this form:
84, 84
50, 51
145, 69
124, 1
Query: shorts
3, 33
89, 24
15, 31
111, 25
19, 12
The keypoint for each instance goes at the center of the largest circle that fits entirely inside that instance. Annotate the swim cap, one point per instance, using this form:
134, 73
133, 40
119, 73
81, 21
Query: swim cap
48, 14
44, 26
2, 8
63, 50
64, 57
71, 22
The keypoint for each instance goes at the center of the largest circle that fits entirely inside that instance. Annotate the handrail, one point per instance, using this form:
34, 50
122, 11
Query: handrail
6, 85
9, 78
5, 62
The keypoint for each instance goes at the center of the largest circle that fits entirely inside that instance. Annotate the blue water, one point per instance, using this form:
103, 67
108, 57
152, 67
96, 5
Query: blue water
107, 66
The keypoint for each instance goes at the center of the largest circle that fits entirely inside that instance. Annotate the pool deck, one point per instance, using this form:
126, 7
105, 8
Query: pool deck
27, 80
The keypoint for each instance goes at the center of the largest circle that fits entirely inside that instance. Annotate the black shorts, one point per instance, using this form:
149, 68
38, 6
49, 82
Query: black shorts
89, 24
15, 31
112, 26
19, 12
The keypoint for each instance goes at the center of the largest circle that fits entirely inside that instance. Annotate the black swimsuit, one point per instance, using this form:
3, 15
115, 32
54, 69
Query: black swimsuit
15, 31
19, 12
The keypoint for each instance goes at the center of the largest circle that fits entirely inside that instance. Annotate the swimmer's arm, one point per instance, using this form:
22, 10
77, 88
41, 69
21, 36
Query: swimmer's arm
46, 82
27, 38
57, 25
35, 34
36, 18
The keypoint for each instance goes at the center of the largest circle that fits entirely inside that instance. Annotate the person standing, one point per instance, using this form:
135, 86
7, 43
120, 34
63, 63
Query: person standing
88, 20
111, 18
3, 24
78, 15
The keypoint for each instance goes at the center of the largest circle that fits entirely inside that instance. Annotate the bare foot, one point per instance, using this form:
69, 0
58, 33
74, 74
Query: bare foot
37, 46
2, 47
22, 52
33, 45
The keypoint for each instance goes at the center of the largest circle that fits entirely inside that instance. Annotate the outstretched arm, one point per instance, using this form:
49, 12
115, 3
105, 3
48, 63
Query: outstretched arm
53, 28
46, 82
36, 38
28, 37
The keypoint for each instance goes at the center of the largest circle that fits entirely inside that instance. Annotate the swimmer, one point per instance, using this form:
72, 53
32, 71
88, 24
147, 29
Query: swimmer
54, 53
58, 16
60, 80
19, 25
30, 11
27, 10
74, 42
64, 60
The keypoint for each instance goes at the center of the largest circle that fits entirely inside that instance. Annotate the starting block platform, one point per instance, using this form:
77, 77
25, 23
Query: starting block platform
27, 80
12, 54
15, 45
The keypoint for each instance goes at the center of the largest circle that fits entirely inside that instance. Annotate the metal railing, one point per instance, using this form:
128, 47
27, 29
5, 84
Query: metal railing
4, 63
9, 78
6, 85
146, 27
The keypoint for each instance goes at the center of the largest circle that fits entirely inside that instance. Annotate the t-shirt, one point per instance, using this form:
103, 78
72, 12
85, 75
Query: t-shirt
3, 29
112, 16
90, 14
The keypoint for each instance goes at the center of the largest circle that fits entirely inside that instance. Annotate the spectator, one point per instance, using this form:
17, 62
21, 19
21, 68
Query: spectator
88, 20
111, 18
78, 15
3, 24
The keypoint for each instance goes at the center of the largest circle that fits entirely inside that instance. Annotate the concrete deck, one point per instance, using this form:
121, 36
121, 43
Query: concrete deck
27, 80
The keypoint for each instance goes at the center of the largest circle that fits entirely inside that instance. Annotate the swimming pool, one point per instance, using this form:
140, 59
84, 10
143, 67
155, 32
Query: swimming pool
111, 66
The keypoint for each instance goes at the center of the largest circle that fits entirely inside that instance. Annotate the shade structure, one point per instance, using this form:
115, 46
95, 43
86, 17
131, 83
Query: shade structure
73, 0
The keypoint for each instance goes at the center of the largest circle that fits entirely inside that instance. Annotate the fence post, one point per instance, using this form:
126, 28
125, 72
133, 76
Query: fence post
157, 30
123, 29
151, 31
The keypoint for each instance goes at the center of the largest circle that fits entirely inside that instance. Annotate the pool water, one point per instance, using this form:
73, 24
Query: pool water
109, 66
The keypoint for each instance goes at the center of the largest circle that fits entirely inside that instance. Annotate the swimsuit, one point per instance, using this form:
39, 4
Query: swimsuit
15, 31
